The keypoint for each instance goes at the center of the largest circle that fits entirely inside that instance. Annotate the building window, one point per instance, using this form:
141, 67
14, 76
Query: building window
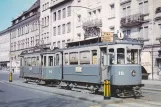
159, 30
59, 30
79, 18
143, 7
112, 11
64, 12
146, 32
54, 31
69, 11
47, 20
79, 35
127, 33
59, 14
126, 11
58, 44
54, 16
68, 27
63, 29
54, 44
63, 43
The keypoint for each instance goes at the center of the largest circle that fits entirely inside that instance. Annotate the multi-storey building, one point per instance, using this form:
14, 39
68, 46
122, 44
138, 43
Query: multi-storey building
45, 22
4, 48
61, 22
25, 33
88, 18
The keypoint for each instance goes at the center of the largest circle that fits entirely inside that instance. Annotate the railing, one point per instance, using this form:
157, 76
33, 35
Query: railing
56, 2
124, 1
158, 10
158, 13
132, 20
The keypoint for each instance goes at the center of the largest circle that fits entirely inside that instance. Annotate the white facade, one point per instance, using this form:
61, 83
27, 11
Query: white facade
25, 31
45, 22
114, 15
61, 23
4, 47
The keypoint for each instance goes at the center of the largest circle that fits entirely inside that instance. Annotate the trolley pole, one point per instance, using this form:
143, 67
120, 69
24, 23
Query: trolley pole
152, 63
10, 74
107, 84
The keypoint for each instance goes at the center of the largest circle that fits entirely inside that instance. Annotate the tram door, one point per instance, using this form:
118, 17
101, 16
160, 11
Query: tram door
103, 62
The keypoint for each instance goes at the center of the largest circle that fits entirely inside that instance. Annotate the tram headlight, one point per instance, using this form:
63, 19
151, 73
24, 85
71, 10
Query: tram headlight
133, 73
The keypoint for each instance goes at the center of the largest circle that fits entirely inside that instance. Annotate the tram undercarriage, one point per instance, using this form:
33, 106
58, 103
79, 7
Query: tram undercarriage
127, 91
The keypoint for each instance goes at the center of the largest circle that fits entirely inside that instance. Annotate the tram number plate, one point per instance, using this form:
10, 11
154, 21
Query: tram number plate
50, 71
30, 68
78, 69
121, 73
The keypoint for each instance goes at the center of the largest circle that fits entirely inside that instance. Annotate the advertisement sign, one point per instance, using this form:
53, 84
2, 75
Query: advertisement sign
107, 37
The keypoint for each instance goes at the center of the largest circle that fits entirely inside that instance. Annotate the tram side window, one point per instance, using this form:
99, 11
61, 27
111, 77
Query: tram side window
120, 56
132, 56
94, 56
85, 57
25, 61
66, 58
57, 59
33, 61
111, 56
44, 60
37, 61
28, 61
50, 59
73, 58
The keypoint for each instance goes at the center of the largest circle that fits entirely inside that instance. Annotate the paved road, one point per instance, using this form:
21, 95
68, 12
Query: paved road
5, 76
14, 96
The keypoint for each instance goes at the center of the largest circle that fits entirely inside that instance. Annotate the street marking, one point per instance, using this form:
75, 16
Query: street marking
95, 106
117, 105
139, 104
154, 103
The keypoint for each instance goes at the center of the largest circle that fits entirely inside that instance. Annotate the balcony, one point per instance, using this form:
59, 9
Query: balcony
92, 28
124, 1
55, 3
158, 13
132, 20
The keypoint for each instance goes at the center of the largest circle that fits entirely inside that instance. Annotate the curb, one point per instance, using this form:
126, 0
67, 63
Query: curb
152, 89
81, 98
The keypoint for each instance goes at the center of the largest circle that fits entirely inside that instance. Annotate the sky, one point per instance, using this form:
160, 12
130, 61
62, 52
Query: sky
10, 9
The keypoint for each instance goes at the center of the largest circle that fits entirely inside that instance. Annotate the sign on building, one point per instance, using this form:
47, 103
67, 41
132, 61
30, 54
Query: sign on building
107, 37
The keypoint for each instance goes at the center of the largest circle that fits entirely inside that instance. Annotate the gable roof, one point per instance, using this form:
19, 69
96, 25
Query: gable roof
34, 6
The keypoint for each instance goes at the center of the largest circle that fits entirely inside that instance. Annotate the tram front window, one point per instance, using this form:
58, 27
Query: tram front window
120, 56
132, 56
112, 56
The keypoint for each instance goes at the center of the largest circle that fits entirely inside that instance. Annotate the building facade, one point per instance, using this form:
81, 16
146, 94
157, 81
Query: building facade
74, 20
55, 22
4, 49
45, 22
25, 33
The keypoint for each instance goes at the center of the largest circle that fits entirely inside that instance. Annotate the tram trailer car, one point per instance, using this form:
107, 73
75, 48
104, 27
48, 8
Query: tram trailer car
89, 65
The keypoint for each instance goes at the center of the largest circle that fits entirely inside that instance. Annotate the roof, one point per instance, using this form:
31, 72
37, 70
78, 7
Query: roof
4, 31
34, 6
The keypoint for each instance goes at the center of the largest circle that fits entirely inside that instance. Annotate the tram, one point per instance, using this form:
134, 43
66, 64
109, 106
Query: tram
87, 64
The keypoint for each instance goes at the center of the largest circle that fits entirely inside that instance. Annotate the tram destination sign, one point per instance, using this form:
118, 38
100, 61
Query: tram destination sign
107, 37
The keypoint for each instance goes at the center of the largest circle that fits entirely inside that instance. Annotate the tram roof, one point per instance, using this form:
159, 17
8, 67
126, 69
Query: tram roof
96, 42
81, 44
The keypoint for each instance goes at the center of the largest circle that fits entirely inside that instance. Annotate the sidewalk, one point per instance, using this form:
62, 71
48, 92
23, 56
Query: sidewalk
152, 85
151, 82
68, 93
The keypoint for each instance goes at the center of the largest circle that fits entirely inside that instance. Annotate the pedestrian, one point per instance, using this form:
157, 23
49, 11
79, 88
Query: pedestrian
13, 70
